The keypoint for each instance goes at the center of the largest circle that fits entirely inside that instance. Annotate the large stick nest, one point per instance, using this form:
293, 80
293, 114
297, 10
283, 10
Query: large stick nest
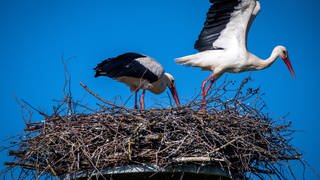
233, 133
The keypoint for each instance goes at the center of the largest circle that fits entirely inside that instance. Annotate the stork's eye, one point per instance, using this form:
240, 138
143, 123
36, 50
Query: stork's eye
284, 53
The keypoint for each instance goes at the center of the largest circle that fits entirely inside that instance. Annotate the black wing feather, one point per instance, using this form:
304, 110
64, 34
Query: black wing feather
125, 65
218, 17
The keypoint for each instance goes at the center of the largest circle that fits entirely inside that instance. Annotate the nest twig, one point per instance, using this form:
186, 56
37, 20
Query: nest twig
233, 134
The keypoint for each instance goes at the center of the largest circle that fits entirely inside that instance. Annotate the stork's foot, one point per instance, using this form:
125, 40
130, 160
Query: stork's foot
203, 107
203, 102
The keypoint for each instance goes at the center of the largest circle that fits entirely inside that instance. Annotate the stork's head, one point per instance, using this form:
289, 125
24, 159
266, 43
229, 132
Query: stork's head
283, 53
171, 85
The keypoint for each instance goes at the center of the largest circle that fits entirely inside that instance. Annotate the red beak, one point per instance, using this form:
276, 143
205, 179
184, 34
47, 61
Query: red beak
175, 95
288, 63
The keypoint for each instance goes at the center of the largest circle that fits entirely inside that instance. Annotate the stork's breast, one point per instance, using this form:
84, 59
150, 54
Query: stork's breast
158, 86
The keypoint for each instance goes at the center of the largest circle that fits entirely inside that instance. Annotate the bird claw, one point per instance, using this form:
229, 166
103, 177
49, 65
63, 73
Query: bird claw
203, 107
203, 102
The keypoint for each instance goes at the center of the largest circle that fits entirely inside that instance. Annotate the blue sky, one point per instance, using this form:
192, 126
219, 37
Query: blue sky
35, 34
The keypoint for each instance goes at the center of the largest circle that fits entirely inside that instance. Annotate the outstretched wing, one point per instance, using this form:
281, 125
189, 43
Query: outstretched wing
226, 24
130, 65
254, 14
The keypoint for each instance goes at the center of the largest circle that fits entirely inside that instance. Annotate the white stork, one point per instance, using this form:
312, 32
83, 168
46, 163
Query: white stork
222, 43
138, 72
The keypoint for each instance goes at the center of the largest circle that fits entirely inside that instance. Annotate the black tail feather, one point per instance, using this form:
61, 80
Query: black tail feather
124, 65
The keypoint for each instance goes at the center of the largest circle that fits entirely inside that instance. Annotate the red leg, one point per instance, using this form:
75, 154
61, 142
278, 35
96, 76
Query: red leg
135, 100
142, 99
209, 86
205, 90
204, 85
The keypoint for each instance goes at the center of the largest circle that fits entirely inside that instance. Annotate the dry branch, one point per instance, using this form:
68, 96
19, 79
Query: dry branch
101, 99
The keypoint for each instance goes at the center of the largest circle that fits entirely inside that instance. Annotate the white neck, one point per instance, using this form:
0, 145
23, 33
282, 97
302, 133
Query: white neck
262, 64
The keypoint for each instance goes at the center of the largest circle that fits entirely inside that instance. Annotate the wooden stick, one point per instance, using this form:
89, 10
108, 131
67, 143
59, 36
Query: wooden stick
101, 99
35, 109
197, 159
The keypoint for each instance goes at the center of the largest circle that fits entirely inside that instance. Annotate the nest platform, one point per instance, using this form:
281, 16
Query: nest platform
232, 136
